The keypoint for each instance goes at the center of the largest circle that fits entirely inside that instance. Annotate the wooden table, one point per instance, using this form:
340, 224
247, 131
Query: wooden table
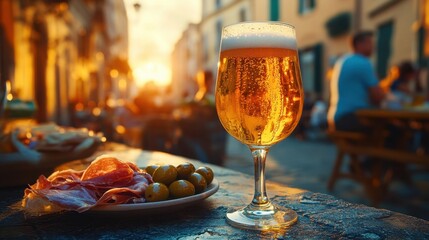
321, 216
405, 114
388, 138
401, 125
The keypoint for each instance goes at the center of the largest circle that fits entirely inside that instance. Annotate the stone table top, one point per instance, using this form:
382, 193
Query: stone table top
321, 216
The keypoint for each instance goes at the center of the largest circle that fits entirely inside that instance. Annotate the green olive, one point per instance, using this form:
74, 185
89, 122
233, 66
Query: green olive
198, 181
165, 174
185, 170
181, 188
156, 192
151, 168
207, 173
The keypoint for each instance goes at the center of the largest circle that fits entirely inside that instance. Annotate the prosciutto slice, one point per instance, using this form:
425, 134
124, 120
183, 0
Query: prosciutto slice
108, 172
107, 180
134, 192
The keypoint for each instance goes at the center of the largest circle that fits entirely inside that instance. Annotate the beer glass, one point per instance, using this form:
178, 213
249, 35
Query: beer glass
259, 101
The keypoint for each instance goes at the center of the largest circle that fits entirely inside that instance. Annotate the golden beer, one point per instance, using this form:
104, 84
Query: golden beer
259, 95
259, 102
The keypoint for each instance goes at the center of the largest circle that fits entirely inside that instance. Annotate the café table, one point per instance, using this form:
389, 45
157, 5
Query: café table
321, 216
387, 142
400, 125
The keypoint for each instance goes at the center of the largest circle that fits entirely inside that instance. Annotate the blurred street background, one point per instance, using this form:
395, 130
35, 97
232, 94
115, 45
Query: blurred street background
142, 73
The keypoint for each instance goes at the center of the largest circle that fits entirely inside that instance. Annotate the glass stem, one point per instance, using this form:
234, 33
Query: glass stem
259, 156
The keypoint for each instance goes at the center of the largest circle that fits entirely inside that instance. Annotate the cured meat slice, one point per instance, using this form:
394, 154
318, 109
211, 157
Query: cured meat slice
108, 171
64, 177
134, 167
107, 180
41, 183
77, 198
46, 197
130, 194
118, 196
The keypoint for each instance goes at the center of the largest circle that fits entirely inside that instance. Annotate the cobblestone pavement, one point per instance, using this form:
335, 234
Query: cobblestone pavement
307, 164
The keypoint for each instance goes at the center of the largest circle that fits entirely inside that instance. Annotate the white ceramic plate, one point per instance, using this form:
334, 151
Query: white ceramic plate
153, 207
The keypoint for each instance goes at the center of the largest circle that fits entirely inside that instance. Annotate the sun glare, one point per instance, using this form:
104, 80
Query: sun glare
156, 72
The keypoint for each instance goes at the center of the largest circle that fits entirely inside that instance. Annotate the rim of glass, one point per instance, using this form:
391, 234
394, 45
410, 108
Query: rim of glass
262, 22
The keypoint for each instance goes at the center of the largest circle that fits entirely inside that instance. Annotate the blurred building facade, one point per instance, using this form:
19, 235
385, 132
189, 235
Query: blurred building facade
323, 31
216, 15
396, 26
63, 52
186, 62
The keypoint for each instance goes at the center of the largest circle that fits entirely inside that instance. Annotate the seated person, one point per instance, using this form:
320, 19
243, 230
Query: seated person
354, 85
407, 73
400, 94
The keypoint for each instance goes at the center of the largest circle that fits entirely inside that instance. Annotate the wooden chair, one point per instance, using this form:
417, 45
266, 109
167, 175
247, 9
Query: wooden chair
355, 145
344, 141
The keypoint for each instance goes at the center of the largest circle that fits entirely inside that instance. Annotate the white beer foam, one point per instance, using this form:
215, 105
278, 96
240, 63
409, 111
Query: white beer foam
258, 40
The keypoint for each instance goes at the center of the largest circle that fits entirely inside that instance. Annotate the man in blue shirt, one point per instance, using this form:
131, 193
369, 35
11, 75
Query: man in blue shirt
354, 85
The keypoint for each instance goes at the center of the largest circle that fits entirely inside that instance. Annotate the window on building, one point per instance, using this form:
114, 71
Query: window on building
218, 4
218, 34
274, 10
423, 39
243, 16
384, 48
306, 6
311, 68
307, 70
423, 47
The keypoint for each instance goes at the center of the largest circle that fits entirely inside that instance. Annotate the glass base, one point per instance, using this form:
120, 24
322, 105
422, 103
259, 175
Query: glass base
266, 217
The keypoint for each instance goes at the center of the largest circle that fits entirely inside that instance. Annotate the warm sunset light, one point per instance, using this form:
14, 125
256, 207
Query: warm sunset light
154, 27
114, 73
157, 72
